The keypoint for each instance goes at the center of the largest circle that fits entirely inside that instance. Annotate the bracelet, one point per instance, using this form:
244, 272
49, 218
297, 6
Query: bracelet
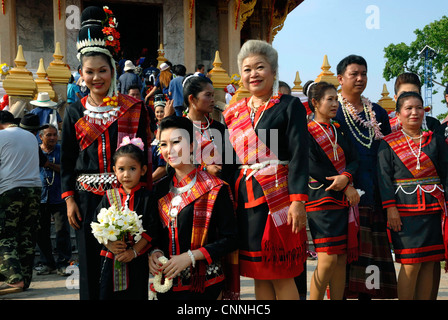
156, 250
193, 260
68, 197
135, 252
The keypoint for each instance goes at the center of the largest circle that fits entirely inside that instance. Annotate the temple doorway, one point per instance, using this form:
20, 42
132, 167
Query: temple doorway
139, 24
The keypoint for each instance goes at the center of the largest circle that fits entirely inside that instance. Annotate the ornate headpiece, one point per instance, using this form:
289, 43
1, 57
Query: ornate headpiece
98, 33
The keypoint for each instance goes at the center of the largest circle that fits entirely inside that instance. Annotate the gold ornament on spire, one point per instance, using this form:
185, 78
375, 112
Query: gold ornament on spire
19, 81
326, 75
218, 75
385, 101
58, 72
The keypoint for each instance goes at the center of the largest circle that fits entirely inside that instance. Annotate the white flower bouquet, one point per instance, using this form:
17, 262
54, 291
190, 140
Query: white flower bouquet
113, 224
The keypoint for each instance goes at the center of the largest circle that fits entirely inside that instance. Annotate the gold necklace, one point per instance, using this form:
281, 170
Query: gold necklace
254, 111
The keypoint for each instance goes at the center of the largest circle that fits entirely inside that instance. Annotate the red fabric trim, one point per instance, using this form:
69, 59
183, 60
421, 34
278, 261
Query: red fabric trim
67, 193
269, 271
341, 249
330, 239
298, 197
100, 154
324, 207
418, 250
249, 188
250, 253
237, 186
254, 203
408, 213
107, 254
208, 282
206, 255
437, 257
108, 152
146, 236
389, 204
349, 176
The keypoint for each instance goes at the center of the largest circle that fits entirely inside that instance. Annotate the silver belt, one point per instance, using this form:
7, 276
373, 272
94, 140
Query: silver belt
96, 182
258, 166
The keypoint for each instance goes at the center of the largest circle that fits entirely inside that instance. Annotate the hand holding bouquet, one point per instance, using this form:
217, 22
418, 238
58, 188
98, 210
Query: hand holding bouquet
113, 224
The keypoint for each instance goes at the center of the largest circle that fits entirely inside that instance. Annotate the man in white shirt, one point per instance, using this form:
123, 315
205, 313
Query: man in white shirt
20, 190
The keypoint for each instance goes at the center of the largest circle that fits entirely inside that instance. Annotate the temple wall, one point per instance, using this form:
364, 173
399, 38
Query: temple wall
35, 31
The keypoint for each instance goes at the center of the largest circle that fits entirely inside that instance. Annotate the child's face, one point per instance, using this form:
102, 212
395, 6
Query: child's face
160, 113
128, 172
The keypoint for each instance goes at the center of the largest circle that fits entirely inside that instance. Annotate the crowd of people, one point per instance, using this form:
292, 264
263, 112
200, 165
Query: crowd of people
222, 200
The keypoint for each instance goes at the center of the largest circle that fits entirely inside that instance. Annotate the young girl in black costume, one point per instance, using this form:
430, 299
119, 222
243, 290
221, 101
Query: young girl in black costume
124, 263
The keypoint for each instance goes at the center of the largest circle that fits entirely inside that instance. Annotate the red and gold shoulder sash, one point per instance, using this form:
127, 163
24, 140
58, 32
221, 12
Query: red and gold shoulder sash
336, 156
127, 116
422, 167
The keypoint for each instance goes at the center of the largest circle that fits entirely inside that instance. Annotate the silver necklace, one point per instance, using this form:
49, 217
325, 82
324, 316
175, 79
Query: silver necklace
335, 144
408, 138
177, 199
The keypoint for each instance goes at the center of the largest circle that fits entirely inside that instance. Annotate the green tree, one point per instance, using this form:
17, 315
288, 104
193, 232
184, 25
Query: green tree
405, 58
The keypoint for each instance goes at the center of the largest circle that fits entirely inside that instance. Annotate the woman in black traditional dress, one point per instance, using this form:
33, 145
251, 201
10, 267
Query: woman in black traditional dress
412, 166
333, 161
199, 102
200, 237
92, 129
269, 136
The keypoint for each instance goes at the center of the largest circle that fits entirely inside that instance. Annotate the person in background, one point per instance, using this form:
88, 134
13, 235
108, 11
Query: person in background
175, 90
128, 78
199, 101
51, 204
162, 82
366, 123
73, 91
200, 70
20, 191
47, 110
446, 100
284, 88
406, 82
158, 163
134, 92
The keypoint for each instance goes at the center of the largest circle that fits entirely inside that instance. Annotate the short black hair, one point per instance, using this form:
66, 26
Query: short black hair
351, 59
407, 78
177, 122
134, 86
194, 85
316, 90
284, 85
179, 70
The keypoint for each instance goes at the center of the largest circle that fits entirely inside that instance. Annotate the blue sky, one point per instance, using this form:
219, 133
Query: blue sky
337, 28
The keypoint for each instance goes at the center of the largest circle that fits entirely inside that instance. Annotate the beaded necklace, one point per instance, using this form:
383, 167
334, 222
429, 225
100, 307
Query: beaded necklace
333, 144
352, 117
417, 155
